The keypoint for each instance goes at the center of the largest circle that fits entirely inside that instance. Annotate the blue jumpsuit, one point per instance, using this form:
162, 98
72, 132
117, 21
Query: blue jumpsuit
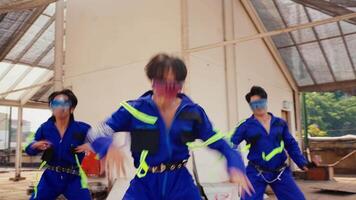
52, 183
256, 135
168, 145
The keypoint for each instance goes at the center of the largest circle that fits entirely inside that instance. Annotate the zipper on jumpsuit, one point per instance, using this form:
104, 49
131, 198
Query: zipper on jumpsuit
169, 146
60, 142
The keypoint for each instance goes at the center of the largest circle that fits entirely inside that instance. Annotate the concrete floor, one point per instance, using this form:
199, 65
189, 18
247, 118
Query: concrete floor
10, 190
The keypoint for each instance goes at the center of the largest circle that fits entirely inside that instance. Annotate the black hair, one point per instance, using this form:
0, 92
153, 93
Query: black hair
162, 63
256, 90
71, 97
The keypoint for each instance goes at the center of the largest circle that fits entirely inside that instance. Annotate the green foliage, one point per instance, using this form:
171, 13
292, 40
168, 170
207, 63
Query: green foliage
314, 130
334, 113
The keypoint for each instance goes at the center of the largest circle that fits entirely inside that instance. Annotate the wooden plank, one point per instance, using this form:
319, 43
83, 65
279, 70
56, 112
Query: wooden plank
336, 186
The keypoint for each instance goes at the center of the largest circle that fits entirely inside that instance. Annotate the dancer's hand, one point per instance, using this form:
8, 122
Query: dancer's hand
237, 176
83, 148
41, 145
316, 161
115, 158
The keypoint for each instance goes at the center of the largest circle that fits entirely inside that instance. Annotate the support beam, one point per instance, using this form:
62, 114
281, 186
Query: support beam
13, 103
347, 3
230, 64
18, 80
328, 8
26, 63
17, 5
58, 50
26, 88
313, 41
272, 33
268, 42
329, 87
26, 97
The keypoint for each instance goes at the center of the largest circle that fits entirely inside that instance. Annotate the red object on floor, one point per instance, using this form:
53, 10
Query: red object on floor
91, 165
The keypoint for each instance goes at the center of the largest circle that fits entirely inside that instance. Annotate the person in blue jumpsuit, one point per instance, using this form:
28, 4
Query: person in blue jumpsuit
57, 139
162, 123
267, 137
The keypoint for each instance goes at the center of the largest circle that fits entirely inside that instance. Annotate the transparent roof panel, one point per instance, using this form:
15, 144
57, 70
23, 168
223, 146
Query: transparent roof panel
34, 47
11, 23
39, 46
50, 10
310, 63
351, 43
348, 28
272, 18
33, 77
47, 61
326, 30
296, 66
316, 62
336, 52
4, 68
11, 77
27, 37
283, 40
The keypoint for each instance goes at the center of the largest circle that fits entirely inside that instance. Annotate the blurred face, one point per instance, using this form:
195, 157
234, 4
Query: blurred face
167, 89
61, 107
258, 105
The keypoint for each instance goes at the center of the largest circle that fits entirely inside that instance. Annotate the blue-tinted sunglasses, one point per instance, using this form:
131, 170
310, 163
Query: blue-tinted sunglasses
259, 104
63, 104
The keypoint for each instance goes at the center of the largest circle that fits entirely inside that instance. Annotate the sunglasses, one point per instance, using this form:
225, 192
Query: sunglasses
259, 104
63, 104
168, 85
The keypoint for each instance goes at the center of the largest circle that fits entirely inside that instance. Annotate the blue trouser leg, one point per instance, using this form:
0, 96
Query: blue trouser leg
52, 184
171, 185
74, 190
49, 186
284, 189
287, 188
258, 184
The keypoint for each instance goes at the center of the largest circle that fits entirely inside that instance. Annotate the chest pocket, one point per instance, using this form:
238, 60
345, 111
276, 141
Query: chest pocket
193, 119
79, 138
251, 141
144, 139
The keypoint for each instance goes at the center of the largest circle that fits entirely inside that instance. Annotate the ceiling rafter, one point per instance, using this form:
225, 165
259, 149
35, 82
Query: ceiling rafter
328, 8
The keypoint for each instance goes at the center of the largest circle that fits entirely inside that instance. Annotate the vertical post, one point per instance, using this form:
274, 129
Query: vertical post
185, 42
297, 115
305, 116
18, 146
230, 63
10, 125
58, 50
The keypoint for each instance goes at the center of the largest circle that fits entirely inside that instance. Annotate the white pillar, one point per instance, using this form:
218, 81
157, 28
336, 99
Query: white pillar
18, 157
58, 50
230, 64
